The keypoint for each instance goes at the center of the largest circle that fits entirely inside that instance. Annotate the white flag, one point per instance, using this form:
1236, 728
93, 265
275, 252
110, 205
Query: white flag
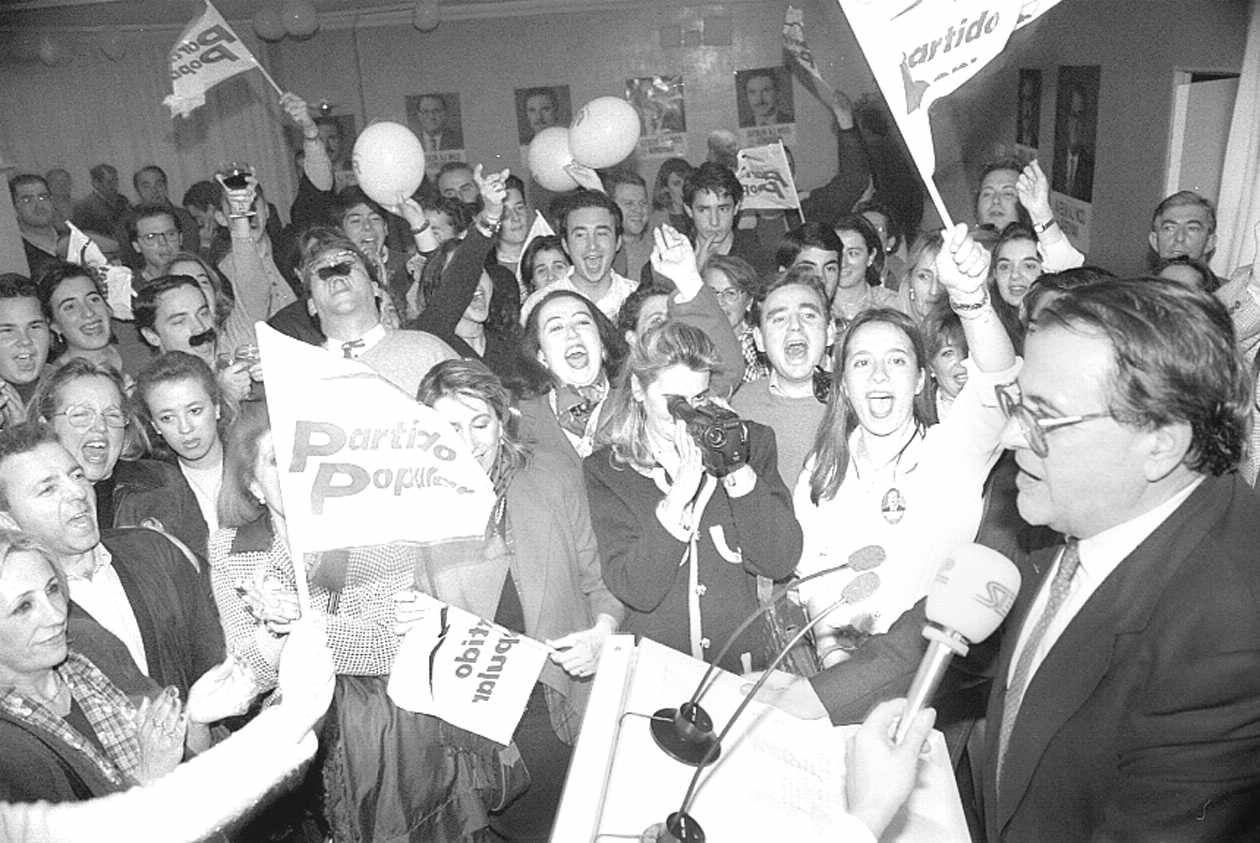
360, 461
922, 50
466, 670
766, 177
207, 53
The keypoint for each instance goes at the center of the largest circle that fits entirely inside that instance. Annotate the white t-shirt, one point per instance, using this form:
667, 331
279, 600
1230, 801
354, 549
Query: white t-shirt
205, 484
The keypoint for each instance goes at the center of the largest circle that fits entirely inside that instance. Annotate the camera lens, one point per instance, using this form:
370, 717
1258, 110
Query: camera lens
715, 437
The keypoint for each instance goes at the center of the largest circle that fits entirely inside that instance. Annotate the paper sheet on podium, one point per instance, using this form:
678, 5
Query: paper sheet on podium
779, 778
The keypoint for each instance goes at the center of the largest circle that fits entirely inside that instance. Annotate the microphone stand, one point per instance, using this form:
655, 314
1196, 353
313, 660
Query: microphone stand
679, 826
686, 733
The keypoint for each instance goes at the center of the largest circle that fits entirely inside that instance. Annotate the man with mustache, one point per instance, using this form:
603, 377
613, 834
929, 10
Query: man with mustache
172, 314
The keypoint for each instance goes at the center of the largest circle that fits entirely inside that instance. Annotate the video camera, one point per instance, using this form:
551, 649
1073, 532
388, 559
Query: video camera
721, 435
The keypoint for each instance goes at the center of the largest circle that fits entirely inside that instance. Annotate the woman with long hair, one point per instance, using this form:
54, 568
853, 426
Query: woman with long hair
543, 262
882, 492
667, 196
669, 526
861, 267
1016, 264
536, 572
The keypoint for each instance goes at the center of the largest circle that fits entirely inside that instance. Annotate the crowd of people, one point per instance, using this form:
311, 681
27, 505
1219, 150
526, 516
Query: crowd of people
895, 393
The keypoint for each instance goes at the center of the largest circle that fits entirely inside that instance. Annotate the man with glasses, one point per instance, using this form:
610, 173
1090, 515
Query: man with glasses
342, 296
1126, 696
33, 203
154, 234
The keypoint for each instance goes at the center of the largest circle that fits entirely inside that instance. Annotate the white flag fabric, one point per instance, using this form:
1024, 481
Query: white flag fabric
466, 670
922, 50
207, 53
766, 177
360, 461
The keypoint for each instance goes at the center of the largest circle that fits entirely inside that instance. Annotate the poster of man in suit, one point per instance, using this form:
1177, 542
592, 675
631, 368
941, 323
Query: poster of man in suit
1075, 128
435, 118
539, 108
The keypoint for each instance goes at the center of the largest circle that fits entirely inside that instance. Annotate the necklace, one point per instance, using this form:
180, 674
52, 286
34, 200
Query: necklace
892, 504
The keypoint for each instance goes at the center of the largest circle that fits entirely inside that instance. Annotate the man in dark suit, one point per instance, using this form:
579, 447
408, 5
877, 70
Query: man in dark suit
1126, 693
1126, 700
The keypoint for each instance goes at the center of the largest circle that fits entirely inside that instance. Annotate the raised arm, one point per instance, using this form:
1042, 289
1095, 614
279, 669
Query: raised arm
315, 162
961, 266
1057, 252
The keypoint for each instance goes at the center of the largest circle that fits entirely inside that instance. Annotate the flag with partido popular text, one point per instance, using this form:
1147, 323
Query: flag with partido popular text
208, 52
470, 672
360, 462
922, 50
766, 177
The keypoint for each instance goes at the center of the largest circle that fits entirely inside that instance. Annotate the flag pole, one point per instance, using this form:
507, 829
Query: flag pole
267, 76
930, 184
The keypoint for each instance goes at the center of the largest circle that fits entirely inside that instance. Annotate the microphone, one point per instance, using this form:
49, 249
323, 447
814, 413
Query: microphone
973, 590
686, 733
680, 827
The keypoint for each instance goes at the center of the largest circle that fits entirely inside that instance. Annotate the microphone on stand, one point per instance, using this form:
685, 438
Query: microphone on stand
969, 598
686, 733
680, 826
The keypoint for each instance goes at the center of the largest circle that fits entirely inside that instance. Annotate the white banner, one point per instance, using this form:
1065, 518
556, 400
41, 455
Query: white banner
207, 53
360, 461
922, 50
466, 670
767, 179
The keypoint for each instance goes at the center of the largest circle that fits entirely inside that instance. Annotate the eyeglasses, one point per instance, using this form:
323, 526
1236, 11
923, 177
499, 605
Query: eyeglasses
1011, 400
728, 295
81, 416
28, 199
335, 270
153, 237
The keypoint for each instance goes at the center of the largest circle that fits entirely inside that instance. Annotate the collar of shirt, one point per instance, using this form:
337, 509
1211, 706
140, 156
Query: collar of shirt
369, 340
101, 559
777, 389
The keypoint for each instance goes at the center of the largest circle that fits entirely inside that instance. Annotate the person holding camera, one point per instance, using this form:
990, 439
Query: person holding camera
687, 502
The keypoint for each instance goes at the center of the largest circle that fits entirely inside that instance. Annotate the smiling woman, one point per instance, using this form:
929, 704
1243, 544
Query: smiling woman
78, 316
882, 493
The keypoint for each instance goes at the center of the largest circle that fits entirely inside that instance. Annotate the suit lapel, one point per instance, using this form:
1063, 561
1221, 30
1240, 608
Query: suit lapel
1080, 658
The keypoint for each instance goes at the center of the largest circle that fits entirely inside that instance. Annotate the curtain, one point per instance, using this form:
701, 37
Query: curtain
93, 110
1239, 207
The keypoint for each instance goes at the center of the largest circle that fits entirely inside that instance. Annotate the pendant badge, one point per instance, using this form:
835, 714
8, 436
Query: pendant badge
893, 505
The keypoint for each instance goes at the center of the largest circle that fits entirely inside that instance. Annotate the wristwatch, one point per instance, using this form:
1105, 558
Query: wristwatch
1041, 227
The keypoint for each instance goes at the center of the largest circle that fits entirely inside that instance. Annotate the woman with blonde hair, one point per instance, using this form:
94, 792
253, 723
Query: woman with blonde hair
674, 525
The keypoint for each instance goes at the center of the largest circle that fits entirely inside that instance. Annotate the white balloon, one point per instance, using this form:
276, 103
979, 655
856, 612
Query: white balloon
548, 155
604, 132
388, 159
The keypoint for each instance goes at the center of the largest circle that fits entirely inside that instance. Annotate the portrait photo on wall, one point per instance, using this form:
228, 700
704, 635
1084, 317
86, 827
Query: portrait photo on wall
436, 120
1075, 129
541, 107
763, 96
1028, 109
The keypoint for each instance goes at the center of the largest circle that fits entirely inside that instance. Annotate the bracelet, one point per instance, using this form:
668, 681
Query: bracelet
1042, 227
420, 229
489, 227
968, 309
310, 138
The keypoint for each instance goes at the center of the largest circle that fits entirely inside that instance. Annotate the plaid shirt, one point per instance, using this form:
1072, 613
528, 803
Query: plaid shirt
107, 709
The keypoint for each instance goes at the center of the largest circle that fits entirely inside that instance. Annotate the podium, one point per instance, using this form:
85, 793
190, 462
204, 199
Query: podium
778, 777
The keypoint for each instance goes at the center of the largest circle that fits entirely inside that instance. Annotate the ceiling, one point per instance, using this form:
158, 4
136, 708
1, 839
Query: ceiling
62, 14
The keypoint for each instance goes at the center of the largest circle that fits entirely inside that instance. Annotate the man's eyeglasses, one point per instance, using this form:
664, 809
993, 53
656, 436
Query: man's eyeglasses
81, 416
1035, 428
153, 237
334, 270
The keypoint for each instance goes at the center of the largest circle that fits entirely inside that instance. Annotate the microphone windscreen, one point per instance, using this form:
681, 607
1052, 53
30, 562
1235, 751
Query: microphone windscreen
973, 590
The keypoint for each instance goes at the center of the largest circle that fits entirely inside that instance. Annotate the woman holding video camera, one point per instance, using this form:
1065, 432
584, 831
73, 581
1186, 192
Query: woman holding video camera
684, 530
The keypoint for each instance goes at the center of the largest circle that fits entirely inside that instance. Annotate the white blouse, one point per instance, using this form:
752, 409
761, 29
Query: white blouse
892, 526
